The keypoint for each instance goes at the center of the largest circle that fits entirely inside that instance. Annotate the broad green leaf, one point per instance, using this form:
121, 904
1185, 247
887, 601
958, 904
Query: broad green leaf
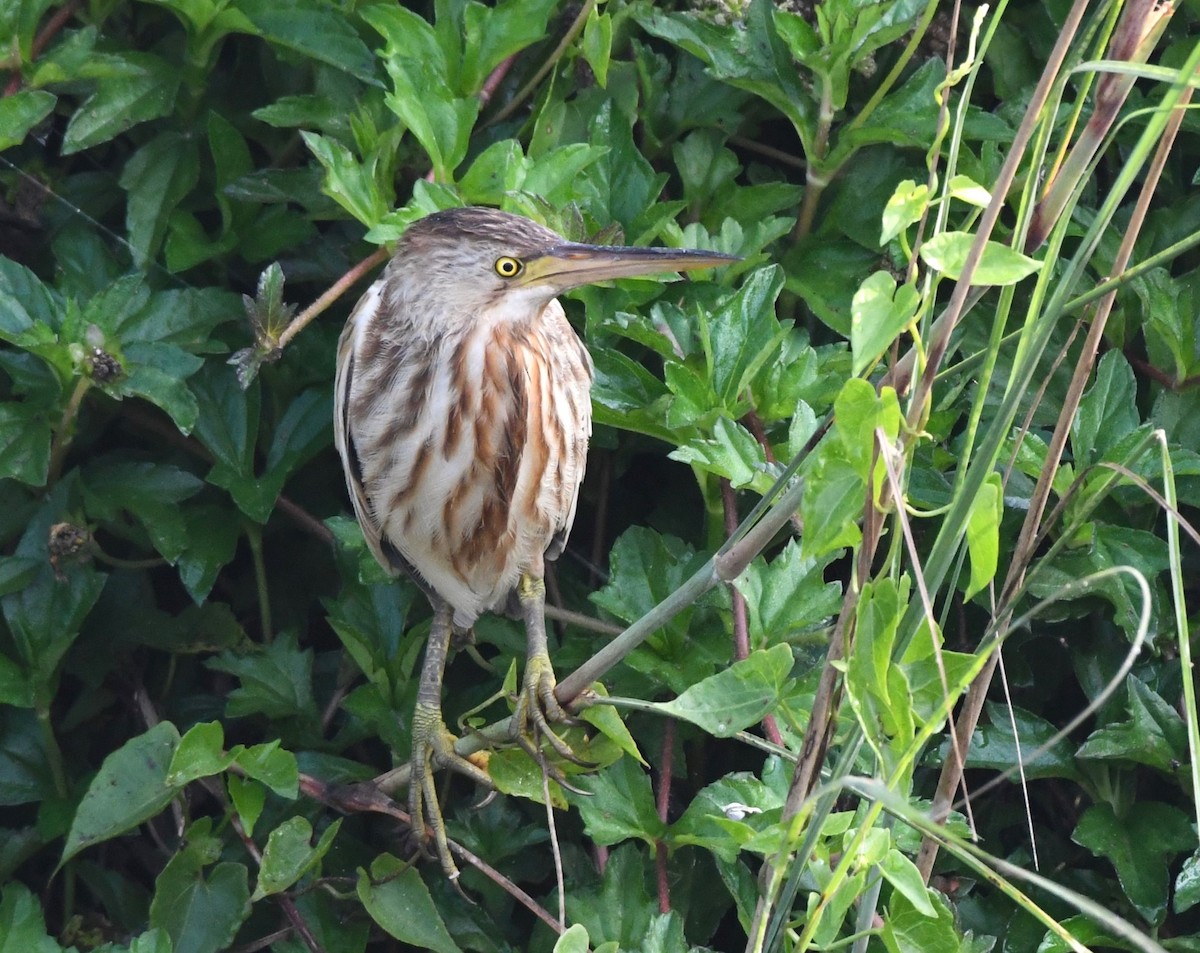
742, 695
273, 766
1187, 884
199, 754
156, 178
1107, 412
903, 875
879, 312
25, 437
966, 189
248, 797
618, 909
706, 822
493, 33
787, 595
20, 112
752, 58
348, 181
606, 720
276, 681
315, 29
742, 334
26, 773
1154, 734
731, 452
397, 899
288, 855
143, 89
834, 496
995, 747
573, 940
45, 617
201, 914
22, 924
909, 930
906, 206
999, 264
151, 492
620, 805
1141, 846
983, 533
130, 787
596, 45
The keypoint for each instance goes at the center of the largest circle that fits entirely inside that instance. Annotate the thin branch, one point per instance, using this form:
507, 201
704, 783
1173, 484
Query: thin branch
332, 293
663, 804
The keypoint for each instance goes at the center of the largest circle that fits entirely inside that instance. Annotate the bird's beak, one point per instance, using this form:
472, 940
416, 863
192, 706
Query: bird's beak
571, 264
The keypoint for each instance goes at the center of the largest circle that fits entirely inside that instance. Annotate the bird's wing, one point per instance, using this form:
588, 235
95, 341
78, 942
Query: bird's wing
579, 406
382, 549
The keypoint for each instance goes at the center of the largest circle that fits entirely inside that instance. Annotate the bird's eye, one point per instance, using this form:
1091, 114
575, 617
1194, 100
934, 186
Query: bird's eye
508, 267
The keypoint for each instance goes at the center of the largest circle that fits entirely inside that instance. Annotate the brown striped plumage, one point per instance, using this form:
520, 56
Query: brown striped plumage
462, 419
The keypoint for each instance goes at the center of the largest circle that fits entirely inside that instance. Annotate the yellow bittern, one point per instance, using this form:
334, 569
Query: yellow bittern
462, 418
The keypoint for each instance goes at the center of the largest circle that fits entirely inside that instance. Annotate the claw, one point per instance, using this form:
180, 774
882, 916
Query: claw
433, 748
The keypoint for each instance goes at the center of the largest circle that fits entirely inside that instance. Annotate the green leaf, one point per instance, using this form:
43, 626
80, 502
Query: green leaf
26, 774
273, 766
787, 595
983, 533
879, 312
25, 436
743, 334
45, 618
130, 787
752, 58
1187, 884
707, 824
903, 874
248, 797
397, 899
573, 940
144, 88
20, 112
999, 264
905, 206
996, 747
156, 178
22, 925
1154, 734
314, 29
621, 805
424, 95
276, 681
1141, 846
349, 182
288, 855
200, 914
149, 491
742, 695
491, 34
909, 930
200, 754
732, 452
1108, 411
596, 45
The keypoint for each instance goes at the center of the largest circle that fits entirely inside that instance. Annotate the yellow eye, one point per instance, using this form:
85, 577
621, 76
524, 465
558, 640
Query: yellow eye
508, 267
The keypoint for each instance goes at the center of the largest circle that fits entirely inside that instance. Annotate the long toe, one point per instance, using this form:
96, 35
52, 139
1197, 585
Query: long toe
433, 747
537, 708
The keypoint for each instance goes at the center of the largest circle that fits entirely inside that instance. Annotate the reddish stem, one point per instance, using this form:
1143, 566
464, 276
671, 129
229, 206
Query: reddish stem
663, 803
42, 40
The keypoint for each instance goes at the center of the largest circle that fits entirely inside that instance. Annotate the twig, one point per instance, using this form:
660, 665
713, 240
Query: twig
666, 764
356, 798
331, 294
551, 61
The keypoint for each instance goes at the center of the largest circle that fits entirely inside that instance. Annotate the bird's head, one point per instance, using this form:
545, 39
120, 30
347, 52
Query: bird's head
481, 261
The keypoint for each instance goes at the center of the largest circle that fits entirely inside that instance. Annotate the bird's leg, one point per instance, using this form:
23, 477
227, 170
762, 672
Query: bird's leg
432, 742
536, 703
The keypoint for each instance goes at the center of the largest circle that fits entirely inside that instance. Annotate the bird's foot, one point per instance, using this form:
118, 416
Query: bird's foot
433, 748
537, 707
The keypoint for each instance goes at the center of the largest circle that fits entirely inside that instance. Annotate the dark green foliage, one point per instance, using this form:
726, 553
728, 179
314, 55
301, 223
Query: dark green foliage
200, 662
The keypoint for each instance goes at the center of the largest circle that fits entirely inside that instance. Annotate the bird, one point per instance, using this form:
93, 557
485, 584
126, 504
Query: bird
462, 419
